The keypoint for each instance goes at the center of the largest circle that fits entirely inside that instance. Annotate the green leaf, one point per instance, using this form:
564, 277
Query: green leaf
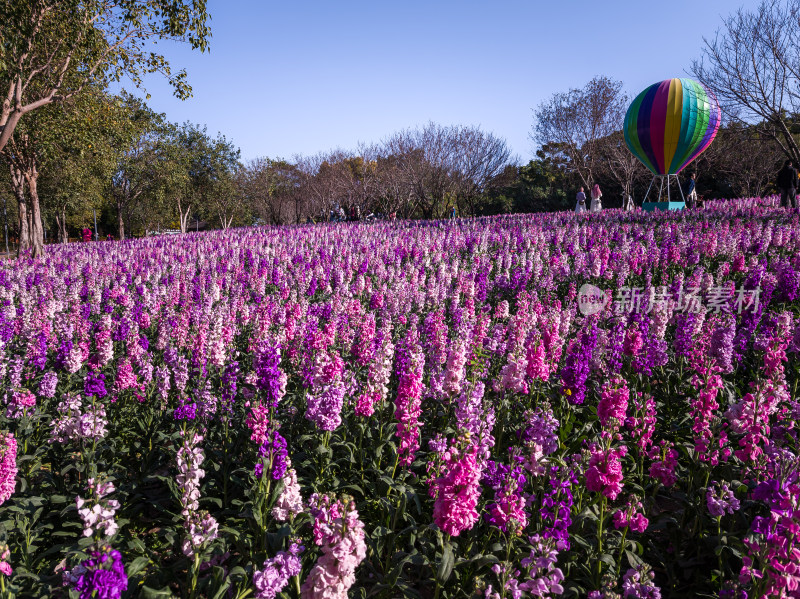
137, 566
633, 559
148, 593
446, 565
608, 559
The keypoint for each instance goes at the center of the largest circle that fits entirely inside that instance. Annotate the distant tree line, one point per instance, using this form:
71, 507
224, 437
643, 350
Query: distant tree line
72, 150
113, 157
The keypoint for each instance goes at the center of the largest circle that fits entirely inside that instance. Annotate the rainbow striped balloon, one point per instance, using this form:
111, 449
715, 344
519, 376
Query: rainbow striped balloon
670, 124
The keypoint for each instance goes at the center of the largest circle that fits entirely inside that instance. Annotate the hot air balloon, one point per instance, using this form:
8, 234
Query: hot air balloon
670, 124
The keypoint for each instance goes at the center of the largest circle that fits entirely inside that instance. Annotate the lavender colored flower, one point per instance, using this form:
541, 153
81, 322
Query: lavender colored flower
100, 516
47, 386
190, 457
180, 372
496, 474
15, 369
545, 578
271, 379
205, 401
92, 423
638, 584
277, 571
720, 499
541, 430
229, 383
324, 406
438, 444
721, 349
556, 509
162, 381
476, 417
201, 527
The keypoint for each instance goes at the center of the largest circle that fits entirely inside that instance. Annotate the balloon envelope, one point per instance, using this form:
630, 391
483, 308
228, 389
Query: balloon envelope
670, 124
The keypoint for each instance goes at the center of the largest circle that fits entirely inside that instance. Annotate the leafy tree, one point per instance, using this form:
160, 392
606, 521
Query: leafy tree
69, 140
136, 144
83, 158
194, 168
271, 189
226, 204
53, 50
538, 186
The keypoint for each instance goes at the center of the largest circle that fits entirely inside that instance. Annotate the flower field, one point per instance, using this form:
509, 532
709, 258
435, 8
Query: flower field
408, 409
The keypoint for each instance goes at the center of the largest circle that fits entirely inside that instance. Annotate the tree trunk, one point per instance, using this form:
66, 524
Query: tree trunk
226, 221
7, 125
18, 185
36, 232
24, 228
61, 223
184, 217
791, 144
58, 226
120, 219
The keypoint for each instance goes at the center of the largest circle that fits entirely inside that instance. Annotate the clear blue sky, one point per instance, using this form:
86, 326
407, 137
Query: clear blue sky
286, 78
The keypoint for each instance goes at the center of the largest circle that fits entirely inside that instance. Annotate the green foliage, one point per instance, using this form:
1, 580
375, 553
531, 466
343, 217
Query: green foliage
82, 42
539, 186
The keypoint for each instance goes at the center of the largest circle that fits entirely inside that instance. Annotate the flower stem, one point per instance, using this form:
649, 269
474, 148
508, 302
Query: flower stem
600, 539
621, 550
195, 572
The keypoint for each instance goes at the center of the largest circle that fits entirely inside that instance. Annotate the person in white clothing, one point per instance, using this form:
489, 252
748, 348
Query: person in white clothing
596, 195
580, 202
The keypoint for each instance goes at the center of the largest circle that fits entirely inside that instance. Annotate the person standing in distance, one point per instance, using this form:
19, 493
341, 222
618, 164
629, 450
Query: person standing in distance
580, 201
689, 191
787, 183
596, 205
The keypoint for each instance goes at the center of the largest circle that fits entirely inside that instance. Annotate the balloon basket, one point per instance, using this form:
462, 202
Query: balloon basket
659, 204
653, 206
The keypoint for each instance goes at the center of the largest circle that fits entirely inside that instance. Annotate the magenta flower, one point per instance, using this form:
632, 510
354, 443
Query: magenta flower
665, 461
613, 404
631, 516
604, 474
457, 491
8, 466
258, 423
408, 404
